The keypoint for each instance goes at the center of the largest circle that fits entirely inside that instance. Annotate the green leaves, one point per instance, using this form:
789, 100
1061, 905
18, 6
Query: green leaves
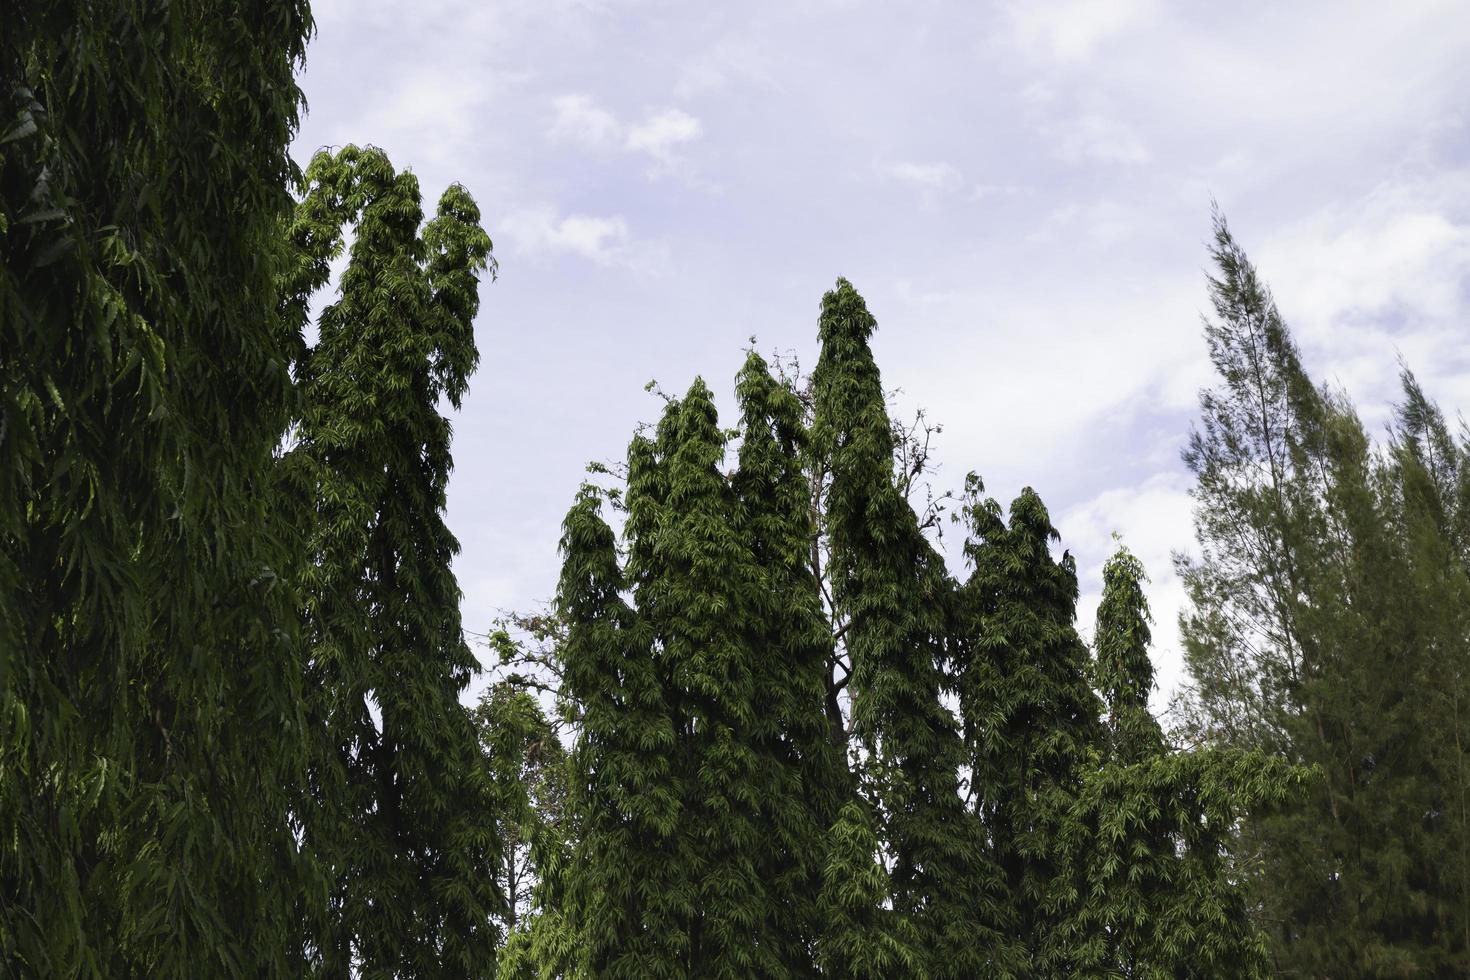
404, 817
143, 395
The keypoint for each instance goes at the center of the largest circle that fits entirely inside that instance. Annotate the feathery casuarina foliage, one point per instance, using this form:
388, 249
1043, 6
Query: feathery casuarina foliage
1327, 626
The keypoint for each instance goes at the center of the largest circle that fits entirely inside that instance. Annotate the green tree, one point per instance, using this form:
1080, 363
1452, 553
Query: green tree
627, 897
802, 777
1030, 716
399, 814
895, 594
1146, 841
698, 601
1123, 673
1319, 632
862, 937
528, 770
150, 724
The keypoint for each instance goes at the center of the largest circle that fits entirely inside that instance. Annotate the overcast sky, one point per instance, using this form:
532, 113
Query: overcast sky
1020, 190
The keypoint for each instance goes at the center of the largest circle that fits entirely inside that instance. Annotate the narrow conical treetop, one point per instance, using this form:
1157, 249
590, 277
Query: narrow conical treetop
895, 592
407, 861
1124, 672
628, 900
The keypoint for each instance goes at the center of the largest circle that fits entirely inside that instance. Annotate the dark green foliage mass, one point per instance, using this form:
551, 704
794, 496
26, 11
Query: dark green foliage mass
1029, 712
863, 938
896, 594
802, 779
232, 742
714, 828
151, 737
1145, 843
732, 650
399, 818
626, 899
696, 598
1123, 673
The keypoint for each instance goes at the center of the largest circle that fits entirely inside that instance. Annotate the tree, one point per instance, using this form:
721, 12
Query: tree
1030, 716
1317, 633
627, 899
528, 771
1123, 673
1146, 840
803, 770
862, 937
146, 641
399, 816
894, 592
699, 599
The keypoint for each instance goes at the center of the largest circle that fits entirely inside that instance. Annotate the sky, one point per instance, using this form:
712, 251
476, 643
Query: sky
1020, 190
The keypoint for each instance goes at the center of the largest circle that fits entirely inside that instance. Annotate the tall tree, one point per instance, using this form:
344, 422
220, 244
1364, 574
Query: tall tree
698, 600
145, 643
895, 593
801, 772
1030, 716
627, 899
863, 937
1123, 672
1310, 636
1145, 842
397, 815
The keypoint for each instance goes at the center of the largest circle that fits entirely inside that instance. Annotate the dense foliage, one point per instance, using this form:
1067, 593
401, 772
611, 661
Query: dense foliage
766, 731
995, 800
400, 816
146, 641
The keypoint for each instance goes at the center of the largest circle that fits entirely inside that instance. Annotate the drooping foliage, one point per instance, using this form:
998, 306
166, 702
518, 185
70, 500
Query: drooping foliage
863, 937
1123, 672
717, 830
231, 659
802, 778
896, 594
145, 641
729, 626
1030, 716
399, 816
1144, 846
626, 901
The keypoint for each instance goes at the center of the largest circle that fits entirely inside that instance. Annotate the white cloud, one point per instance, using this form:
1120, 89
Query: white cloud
580, 119
932, 177
1071, 30
1096, 137
660, 134
604, 240
1388, 273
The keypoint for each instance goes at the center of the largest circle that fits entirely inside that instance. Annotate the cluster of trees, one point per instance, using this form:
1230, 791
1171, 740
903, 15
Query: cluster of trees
801, 747
231, 736
786, 739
